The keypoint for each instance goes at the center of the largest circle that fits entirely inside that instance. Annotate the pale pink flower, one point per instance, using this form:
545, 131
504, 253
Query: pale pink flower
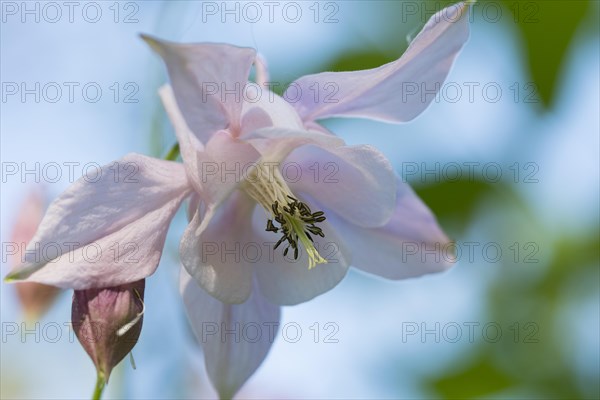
35, 298
362, 218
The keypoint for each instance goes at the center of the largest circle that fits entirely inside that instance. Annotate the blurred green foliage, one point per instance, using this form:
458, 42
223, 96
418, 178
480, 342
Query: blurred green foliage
360, 59
528, 300
480, 378
456, 201
537, 362
547, 28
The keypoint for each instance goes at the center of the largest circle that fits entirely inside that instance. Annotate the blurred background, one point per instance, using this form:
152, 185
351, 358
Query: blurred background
507, 156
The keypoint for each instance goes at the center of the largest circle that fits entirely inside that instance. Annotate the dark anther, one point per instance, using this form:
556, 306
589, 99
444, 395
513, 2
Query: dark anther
299, 211
292, 241
271, 227
304, 210
314, 229
279, 242
308, 236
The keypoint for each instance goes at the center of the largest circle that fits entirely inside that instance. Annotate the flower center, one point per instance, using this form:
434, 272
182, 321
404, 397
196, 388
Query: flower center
266, 185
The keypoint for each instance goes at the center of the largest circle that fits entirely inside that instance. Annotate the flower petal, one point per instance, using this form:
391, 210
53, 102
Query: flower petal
394, 92
409, 245
208, 80
262, 71
267, 109
108, 228
222, 166
230, 358
211, 249
275, 144
189, 145
356, 182
286, 281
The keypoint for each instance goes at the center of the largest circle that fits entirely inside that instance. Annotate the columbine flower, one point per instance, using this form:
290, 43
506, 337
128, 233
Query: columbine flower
256, 239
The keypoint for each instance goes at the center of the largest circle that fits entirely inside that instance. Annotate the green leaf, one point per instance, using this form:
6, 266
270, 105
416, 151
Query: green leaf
479, 379
548, 28
357, 60
454, 202
572, 255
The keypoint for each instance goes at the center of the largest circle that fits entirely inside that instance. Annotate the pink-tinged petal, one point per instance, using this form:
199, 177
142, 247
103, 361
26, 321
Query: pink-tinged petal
395, 92
356, 182
409, 245
208, 80
108, 228
192, 206
211, 249
189, 144
315, 126
262, 71
275, 144
286, 281
222, 166
230, 358
264, 109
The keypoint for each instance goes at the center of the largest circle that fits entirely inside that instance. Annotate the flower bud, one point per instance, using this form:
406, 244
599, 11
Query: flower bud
35, 298
108, 323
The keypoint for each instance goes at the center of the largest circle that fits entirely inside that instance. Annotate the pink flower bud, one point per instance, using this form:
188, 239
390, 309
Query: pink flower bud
108, 323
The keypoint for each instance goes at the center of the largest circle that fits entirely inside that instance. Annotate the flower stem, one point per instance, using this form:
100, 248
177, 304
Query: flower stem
173, 153
99, 387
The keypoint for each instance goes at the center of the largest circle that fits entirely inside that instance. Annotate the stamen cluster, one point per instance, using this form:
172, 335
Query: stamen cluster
293, 218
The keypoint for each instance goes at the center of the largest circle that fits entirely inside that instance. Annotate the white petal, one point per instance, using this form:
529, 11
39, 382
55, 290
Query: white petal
267, 109
262, 71
211, 249
108, 228
356, 182
208, 80
189, 145
394, 92
275, 144
409, 245
231, 358
286, 281
222, 166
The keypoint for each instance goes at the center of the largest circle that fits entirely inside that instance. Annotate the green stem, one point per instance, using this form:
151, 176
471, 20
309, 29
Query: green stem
99, 387
173, 153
